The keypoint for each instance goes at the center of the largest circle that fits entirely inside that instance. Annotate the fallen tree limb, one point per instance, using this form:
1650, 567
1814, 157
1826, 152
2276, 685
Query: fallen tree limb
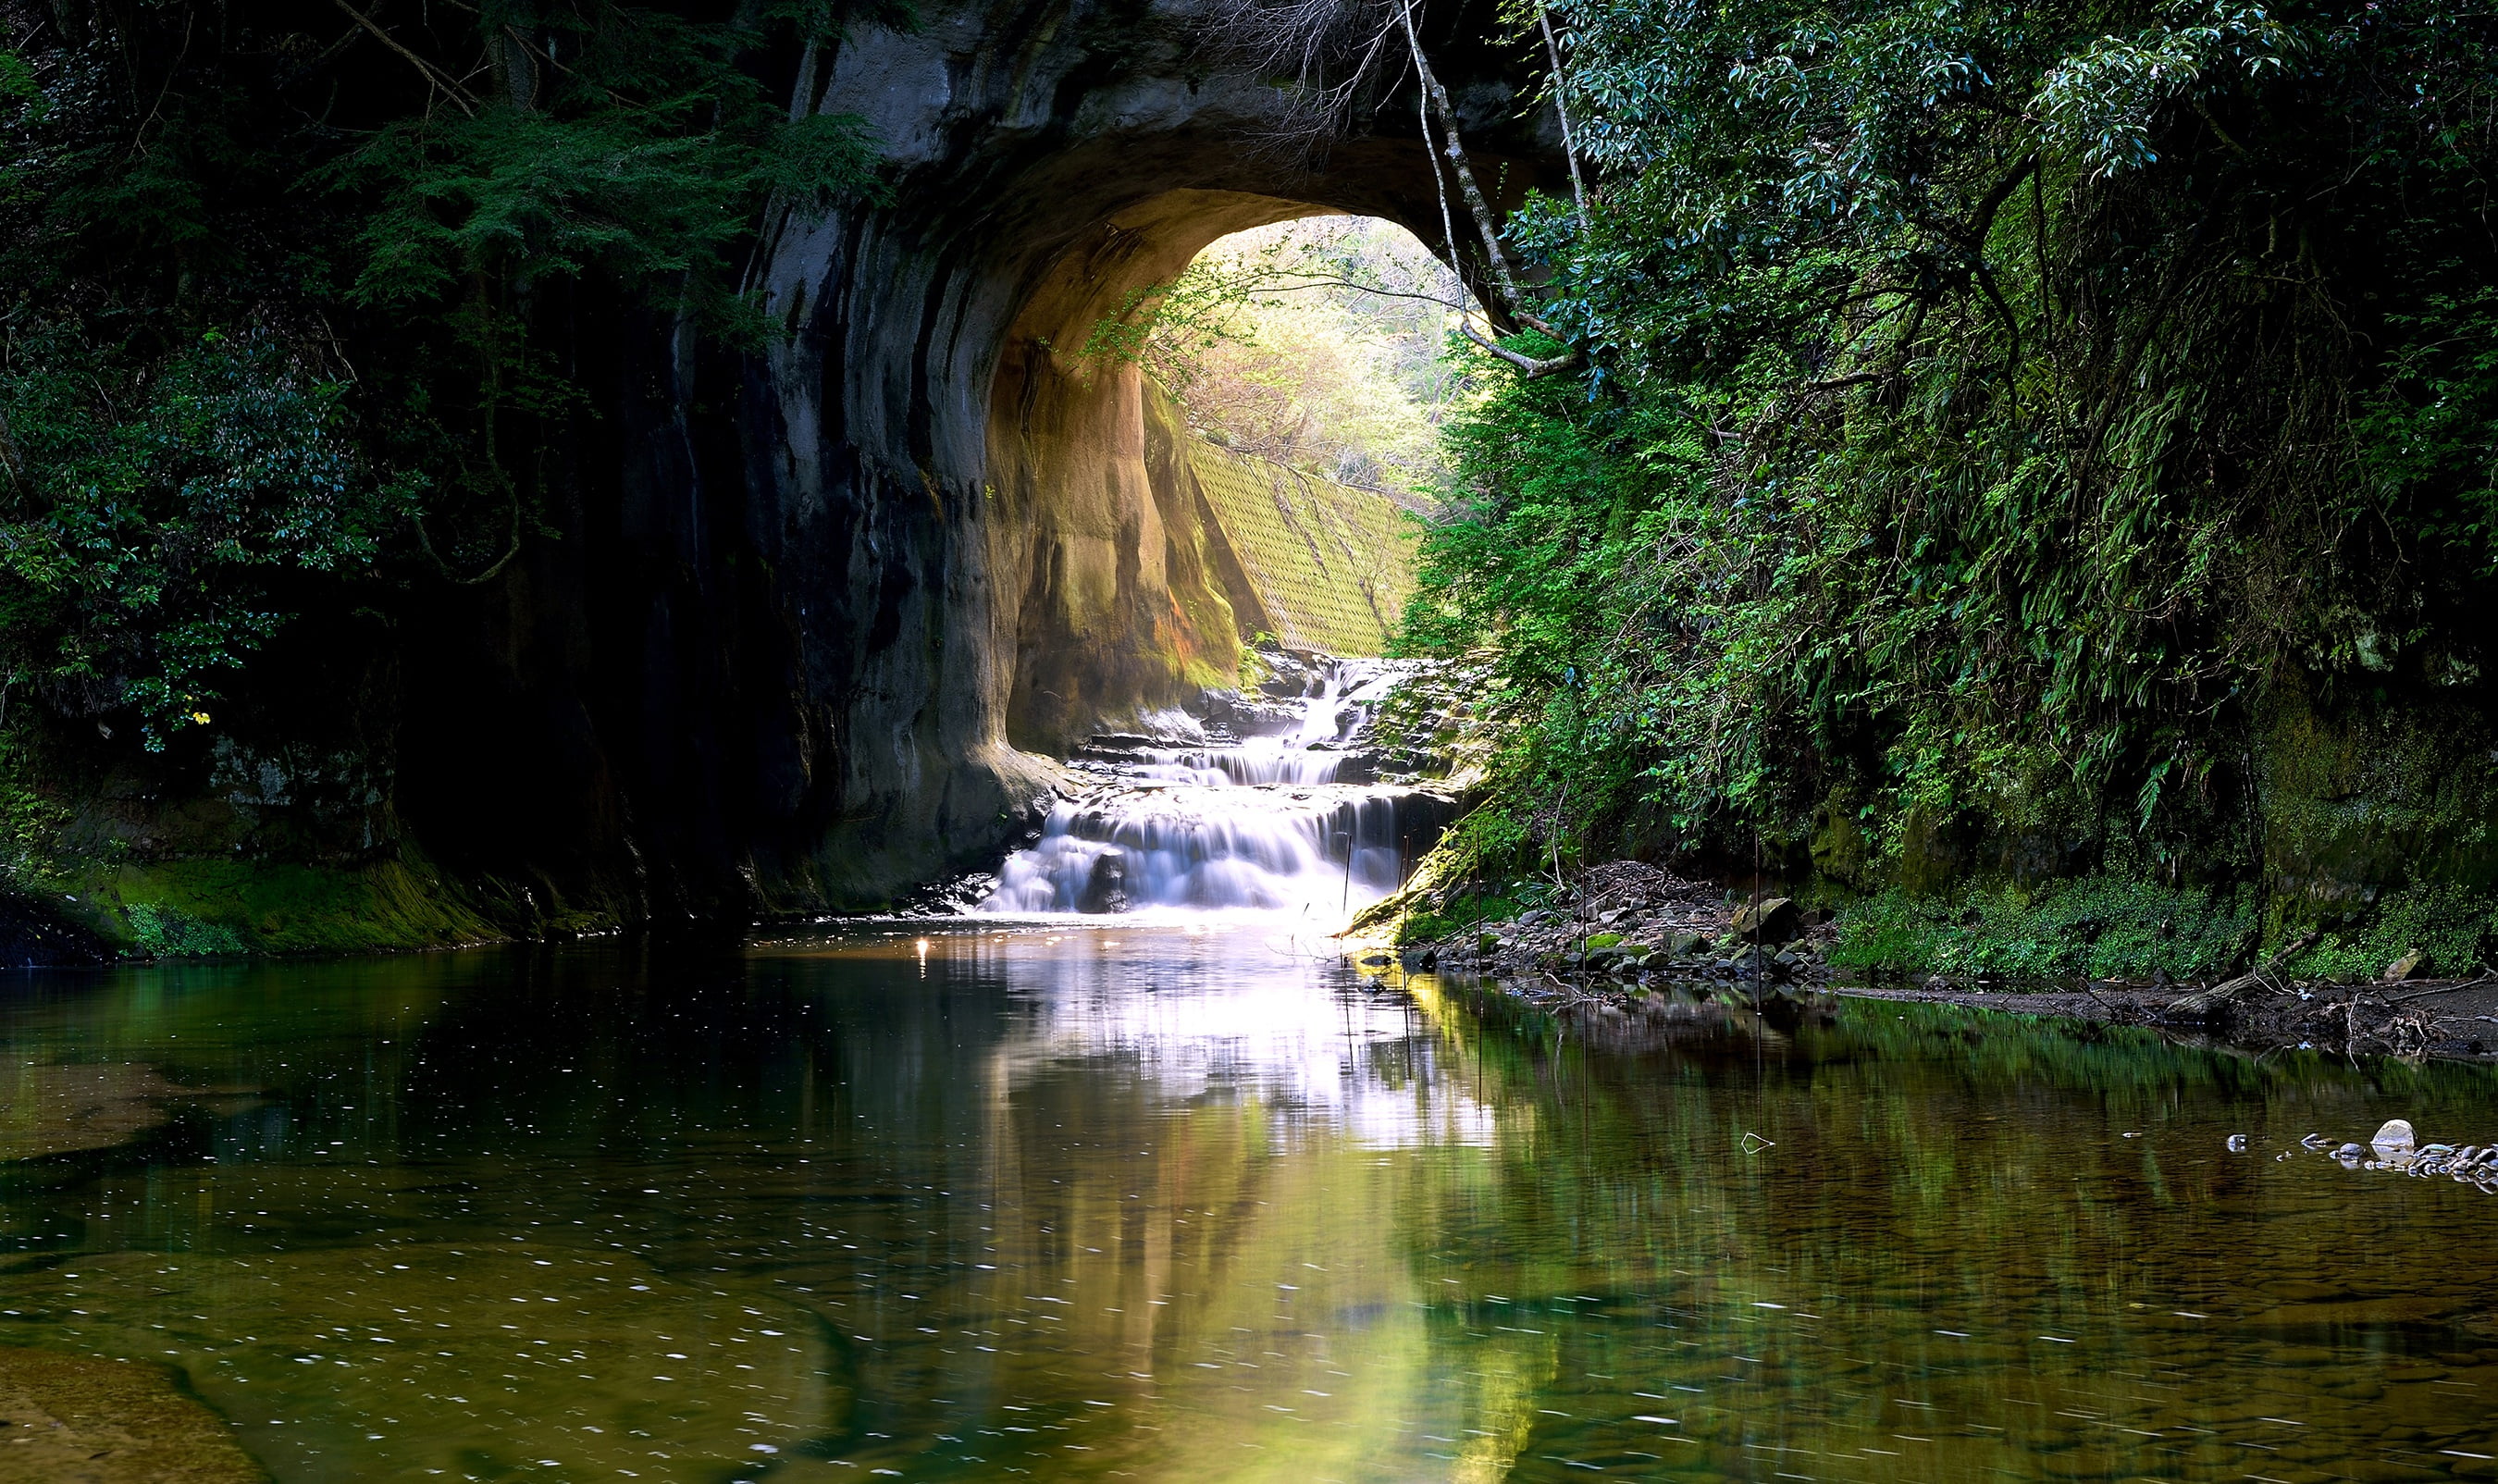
2469, 984
2202, 1003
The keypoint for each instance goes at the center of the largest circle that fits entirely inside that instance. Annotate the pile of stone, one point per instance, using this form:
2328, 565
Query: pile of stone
2395, 1146
1633, 924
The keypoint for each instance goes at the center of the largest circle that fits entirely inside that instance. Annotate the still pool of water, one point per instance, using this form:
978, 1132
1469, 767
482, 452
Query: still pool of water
1175, 1204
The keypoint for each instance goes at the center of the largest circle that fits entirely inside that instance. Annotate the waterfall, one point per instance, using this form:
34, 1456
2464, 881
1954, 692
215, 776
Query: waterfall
1260, 824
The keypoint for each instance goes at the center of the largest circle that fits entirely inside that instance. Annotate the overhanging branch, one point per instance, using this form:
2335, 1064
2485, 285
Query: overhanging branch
1529, 367
433, 76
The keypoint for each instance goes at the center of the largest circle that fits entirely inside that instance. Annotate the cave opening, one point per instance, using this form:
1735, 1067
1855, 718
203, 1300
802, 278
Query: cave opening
1316, 342
1205, 426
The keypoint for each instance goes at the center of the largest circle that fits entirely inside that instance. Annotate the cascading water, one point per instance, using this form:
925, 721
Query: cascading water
1262, 823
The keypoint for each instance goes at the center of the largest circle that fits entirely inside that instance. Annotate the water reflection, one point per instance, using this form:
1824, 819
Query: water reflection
1150, 1202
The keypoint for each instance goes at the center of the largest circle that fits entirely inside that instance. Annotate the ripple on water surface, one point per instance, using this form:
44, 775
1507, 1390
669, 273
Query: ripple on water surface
1146, 1202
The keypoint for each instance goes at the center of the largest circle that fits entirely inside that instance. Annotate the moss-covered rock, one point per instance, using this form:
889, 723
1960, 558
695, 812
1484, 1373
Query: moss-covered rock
206, 907
2371, 796
192, 909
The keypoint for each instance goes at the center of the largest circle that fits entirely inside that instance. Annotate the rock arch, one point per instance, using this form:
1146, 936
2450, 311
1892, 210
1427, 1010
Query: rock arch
832, 604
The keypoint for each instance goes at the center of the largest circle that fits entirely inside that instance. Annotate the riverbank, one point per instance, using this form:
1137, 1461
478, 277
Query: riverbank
1635, 934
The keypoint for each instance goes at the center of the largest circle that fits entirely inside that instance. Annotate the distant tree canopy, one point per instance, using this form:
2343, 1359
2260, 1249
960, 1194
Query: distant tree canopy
1985, 410
204, 204
1315, 342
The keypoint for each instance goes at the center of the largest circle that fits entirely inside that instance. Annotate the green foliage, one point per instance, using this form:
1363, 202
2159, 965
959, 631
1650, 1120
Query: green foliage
646, 158
2104, 926
1588, 548
1986, 405
2455, 928
204, 211
29, 821
160, 508
169, 932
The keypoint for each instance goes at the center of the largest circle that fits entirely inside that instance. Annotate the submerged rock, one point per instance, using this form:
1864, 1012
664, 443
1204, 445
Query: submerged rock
73, 1107
76, 1419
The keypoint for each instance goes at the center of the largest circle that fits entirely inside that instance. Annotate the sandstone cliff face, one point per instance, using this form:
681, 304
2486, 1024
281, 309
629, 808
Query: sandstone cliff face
820, 607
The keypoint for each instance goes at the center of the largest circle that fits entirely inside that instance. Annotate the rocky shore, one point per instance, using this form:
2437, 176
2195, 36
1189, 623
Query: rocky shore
1633, 932
2395, 1148
1630, 924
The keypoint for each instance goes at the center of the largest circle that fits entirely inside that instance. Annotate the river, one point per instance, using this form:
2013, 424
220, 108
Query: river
979, 1200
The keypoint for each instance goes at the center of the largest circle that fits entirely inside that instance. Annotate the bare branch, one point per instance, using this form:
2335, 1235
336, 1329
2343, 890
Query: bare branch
1456, 150
1329, 48
1458, 305
1561, 106
433, 76
1529, 367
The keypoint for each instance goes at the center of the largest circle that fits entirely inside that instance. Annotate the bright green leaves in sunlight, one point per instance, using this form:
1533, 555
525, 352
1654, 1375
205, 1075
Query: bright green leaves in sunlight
1313, 342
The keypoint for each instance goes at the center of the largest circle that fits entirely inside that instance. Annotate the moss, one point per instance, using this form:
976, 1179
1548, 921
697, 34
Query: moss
2108, 927
2452, 926
191, 908
1837, 844
199, 906
1448, 893
1456, 912
2370, 796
